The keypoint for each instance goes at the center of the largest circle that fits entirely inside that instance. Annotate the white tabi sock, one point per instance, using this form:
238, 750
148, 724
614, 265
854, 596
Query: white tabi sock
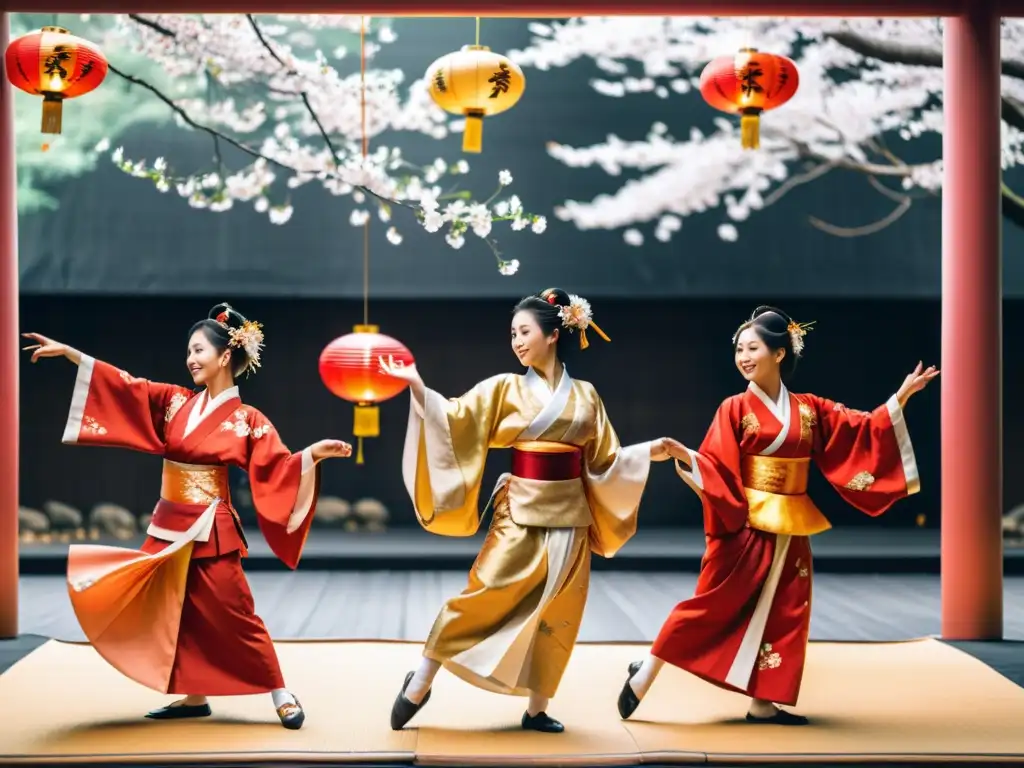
537, 704
422, 680
281, 697
642, 680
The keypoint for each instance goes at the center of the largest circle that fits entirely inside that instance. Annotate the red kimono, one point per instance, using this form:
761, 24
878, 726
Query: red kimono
746, 627
178, 616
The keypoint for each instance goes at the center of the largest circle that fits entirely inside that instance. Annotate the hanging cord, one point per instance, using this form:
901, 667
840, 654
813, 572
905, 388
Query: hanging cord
366, 151
366, 224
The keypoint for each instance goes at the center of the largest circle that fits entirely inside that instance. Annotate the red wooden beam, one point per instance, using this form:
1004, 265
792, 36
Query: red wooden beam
522, 8
10, 356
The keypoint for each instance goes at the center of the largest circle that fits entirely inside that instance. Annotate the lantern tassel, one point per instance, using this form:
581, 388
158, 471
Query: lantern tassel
473, 135
366, 424
750, 130
53, 109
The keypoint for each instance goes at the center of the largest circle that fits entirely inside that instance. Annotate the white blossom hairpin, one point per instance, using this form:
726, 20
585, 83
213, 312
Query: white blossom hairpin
250, 338
578, 315
797, 331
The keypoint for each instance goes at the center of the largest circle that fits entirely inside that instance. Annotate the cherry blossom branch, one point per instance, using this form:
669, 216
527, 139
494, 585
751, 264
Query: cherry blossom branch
254, 182
302, 94
151, 24
911, 55
187, 118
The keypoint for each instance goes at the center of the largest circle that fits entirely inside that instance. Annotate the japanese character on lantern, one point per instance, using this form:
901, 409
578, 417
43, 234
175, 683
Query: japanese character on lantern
475, 82
749, 83
56, 65
349, 368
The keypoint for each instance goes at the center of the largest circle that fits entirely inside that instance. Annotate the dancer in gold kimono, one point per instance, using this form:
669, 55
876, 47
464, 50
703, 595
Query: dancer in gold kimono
573, 490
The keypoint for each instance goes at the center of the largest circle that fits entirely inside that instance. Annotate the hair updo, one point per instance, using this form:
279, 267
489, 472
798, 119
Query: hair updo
544, 307
217, 328
772, 327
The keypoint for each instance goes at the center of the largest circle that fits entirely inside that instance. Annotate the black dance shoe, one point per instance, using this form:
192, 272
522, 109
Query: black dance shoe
781, 717
542, 722
180, 712
403, 710
628, 701
292, 715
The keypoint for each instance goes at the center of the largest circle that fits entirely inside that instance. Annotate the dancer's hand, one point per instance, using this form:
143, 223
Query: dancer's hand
666, 448
330, 449
46, 347
915, 381
398, 369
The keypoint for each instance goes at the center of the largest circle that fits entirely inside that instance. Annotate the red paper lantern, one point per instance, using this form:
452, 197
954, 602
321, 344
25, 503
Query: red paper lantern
350, 369
749, 83
56, 65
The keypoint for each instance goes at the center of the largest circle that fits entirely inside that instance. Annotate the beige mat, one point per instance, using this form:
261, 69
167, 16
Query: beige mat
870, 702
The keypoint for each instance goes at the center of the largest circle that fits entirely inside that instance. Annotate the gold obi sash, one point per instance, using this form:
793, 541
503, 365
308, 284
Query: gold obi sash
776, 491
545, 487
194, 483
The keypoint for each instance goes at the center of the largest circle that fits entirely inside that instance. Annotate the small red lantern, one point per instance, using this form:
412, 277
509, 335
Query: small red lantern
56, 65
350, 369
749, 83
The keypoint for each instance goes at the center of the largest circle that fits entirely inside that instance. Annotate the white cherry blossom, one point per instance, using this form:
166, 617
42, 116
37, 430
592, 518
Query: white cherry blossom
273, 90
868, 89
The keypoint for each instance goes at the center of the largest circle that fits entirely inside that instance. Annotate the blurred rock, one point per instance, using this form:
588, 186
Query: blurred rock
332, 511
62, 515
144, 522
32, 521
351, 525
114, 520
1013, 524
372, 514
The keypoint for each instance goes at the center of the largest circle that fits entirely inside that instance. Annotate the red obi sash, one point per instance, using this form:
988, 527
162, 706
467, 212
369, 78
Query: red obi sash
540, 460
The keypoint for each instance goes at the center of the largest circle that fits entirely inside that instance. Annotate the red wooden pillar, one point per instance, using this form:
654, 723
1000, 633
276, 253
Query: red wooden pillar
971, 382
9, 352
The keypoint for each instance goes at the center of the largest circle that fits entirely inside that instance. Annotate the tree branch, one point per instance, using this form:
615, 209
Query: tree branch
917, 56
303, 94
912, 55
867, 229
151, 24
312, 112
219, 136
213, 132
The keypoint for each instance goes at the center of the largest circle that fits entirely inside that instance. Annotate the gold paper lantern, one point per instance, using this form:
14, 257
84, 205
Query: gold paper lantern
475, 82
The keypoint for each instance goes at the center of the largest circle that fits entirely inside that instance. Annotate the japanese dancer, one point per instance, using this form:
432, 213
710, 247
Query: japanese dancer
573, 490
178, 616
746, 627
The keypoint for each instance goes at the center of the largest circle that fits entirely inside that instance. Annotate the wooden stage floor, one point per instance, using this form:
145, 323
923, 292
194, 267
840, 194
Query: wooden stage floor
920, 702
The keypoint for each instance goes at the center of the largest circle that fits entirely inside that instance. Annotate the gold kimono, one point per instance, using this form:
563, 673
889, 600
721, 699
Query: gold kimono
573, 490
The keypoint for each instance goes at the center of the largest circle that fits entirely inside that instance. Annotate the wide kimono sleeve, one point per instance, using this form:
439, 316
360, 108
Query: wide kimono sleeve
867, 457
715, 474
614, 477
446, 447
285, 487
111, 408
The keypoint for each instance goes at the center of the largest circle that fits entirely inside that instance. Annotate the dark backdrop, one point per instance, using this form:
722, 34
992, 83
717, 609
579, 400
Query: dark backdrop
666, 370
114, 234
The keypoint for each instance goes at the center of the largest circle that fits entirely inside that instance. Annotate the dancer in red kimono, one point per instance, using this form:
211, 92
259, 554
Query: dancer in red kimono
178, 616
746, 627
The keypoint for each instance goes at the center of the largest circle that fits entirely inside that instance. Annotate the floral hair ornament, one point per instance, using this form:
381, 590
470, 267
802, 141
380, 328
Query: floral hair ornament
249, 336
578, 316
797, 331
